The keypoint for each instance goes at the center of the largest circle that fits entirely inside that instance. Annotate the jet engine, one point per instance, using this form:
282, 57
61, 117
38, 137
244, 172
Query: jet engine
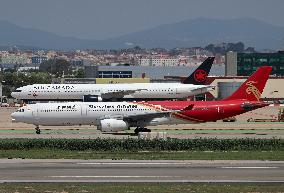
111, 125
92, 98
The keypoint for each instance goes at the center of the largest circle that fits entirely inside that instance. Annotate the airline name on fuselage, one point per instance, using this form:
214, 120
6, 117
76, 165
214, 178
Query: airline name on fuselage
54, 87
113, 106
62, 107
66, 107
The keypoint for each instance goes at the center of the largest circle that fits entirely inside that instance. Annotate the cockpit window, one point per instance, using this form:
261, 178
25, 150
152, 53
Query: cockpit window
21, 110
18, 90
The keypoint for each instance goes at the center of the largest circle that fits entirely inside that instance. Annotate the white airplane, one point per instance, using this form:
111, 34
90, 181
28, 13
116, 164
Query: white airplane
193, 85
108, 116
118, 116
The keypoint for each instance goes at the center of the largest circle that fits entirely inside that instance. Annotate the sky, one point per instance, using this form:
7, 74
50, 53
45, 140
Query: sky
102, 19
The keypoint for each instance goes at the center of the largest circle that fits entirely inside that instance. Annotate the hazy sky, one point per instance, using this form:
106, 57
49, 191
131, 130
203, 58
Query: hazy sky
100, 19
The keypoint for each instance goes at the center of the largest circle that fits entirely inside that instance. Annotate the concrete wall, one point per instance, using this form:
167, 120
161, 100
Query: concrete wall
273, 89
231, 64
225, 89
270, 112
152, 72
121, 80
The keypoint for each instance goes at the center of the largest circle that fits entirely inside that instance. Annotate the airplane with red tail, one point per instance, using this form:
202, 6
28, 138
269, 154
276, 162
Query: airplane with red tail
118, 116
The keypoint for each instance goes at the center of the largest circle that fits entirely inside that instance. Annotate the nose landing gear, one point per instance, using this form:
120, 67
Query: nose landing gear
141, 129
37, 130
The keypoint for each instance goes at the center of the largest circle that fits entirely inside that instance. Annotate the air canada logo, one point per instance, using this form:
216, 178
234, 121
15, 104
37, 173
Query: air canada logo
34, 94
252, 89
200, 75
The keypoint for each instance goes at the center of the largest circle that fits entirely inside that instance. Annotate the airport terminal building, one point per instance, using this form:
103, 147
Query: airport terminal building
152, 72
244, 64
241, 65
224, 85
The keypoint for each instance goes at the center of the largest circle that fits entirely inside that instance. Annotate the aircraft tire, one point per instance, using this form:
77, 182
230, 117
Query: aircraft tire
141, 129
37, 130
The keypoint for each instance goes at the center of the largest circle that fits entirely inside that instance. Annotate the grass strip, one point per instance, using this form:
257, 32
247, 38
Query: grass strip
139, 187
143, 155
99, 144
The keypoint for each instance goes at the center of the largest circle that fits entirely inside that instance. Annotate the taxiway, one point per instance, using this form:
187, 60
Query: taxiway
17, 170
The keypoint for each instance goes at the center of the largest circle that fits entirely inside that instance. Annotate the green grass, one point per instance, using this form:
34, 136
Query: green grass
142, 155
138, 187
171, 149
99, 144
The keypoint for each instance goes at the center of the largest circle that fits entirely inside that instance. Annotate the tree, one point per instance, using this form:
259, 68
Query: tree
46, 66
80, 73
62, 66
210, 48
250, 50
237, 47
225, 47
56, 67
13, 80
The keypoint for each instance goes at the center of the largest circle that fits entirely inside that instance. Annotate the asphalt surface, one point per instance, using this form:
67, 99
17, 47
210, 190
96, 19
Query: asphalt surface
209, 130
140, 171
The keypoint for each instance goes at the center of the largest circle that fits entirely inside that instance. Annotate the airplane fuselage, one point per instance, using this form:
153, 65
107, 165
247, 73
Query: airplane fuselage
118, 116
108, 91
134, 114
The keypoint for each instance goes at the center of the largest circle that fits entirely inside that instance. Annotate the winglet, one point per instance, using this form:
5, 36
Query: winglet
198, 77
253, 87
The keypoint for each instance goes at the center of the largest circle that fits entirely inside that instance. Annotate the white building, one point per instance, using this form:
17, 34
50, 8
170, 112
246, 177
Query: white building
14, 59
155, 61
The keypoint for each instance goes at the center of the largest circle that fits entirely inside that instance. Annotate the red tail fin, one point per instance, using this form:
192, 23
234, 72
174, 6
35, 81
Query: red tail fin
253, 87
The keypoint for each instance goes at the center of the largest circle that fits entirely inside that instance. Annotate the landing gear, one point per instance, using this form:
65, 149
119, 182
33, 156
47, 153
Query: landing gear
141, 129
37, 129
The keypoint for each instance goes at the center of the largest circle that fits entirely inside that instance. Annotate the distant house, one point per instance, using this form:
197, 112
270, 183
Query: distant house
38, 59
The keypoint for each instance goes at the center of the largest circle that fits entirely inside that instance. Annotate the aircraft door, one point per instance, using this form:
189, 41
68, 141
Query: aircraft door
83, 110
220, 110
35, 115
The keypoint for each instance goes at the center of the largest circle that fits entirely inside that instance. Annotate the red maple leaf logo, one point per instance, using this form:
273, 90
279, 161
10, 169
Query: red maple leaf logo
200, 75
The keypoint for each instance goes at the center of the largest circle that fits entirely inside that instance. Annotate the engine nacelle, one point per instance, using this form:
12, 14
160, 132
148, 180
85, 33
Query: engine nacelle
92, 98
111, 125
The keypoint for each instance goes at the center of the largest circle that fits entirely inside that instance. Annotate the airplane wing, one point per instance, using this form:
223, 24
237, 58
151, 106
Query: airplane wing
150, 116
209, 87
119, 94
201, 90
138, 116
145, 115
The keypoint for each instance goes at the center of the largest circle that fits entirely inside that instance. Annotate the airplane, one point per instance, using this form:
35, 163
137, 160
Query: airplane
119, 116
192, 85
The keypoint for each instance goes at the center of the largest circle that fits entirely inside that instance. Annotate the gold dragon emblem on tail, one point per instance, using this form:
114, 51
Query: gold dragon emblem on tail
252, 89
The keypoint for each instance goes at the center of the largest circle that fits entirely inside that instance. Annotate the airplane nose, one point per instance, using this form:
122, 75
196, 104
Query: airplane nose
15, 95
15, 117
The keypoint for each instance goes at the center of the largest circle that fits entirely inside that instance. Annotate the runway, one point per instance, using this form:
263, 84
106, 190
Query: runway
17, 170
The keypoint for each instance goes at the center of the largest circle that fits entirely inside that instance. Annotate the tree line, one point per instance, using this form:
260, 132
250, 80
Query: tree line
12, 79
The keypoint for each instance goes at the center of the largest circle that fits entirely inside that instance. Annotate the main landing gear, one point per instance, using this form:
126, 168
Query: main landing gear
141, 129
37, 129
